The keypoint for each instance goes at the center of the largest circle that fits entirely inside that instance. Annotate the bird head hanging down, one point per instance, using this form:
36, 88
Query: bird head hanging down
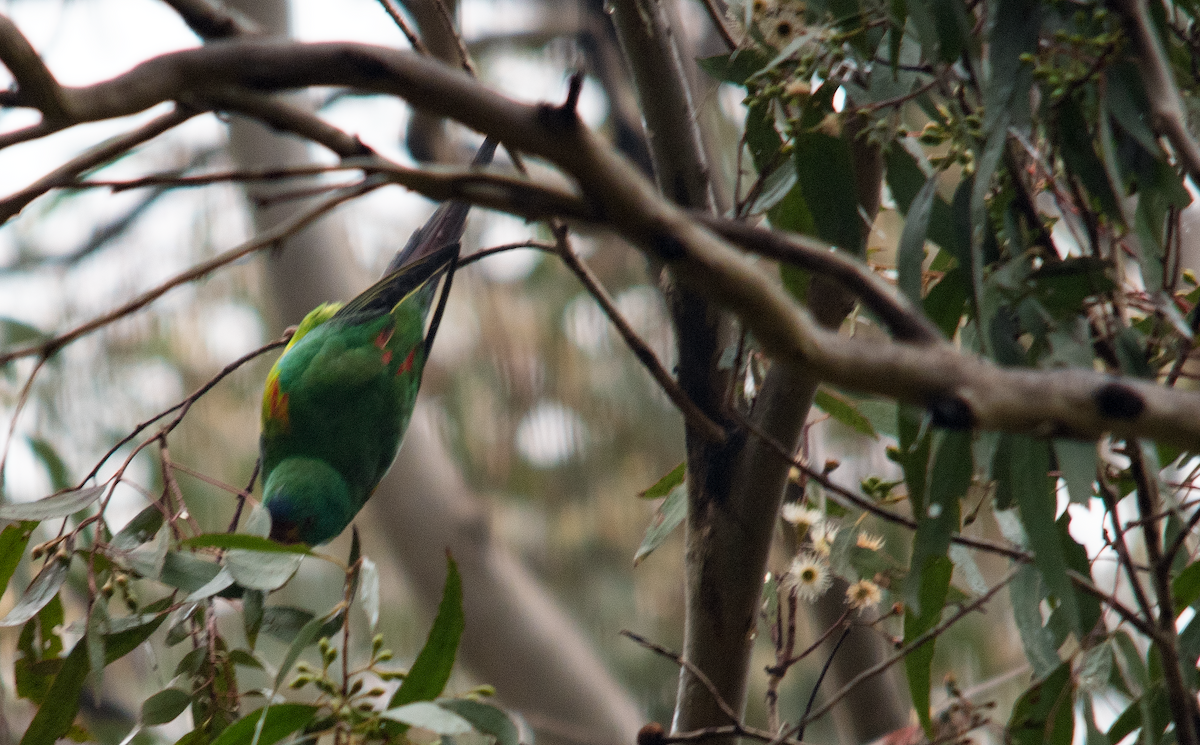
339, 398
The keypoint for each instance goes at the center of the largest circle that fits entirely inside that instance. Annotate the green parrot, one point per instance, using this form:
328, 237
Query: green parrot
337, 401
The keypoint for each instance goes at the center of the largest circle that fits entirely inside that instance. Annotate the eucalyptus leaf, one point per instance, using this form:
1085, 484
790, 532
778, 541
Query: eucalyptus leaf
430, 716
267, 726
910, 255
1045, 713
139, 530
666, 518
663, 486
261, 570
41, 590
485, 718
164, 706
56, 505
843, 410
431, 670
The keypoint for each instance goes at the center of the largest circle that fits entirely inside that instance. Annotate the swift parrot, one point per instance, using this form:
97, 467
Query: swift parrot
337, 401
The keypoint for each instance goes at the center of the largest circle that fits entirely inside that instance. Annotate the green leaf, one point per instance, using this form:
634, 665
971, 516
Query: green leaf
734, 68
41, 590
1025, 595
430, 716
1077, 464
15, 333
948, 484
143, 527
431, 670
1127, 103
910, 255
1096, 670
1076, 558
368, 592
825, 171
935, 582
252, 614
1079, 154
307, 634
663, 486
267, 726
843, 410
244, 542
905, 180
55, 717
1045, 713
1014, 29
164, 706
40, 647
666, 518
946, 301
485, 718
1185, 588
187, 572
1034, 492
262, 570
776, 187
912, 455
220, 582
13, 540
56, 505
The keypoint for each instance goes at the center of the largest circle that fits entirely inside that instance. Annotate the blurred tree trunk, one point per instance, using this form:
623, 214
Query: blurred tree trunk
517, 637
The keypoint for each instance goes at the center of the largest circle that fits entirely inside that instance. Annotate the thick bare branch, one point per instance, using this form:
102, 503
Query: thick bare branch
961, 390
34, 80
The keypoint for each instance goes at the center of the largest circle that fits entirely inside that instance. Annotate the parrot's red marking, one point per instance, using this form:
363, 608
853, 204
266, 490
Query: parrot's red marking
384, 337
387, 356
277, 405
407, 364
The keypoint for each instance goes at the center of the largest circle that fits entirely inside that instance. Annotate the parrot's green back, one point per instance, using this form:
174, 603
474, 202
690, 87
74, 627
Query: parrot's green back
339, 398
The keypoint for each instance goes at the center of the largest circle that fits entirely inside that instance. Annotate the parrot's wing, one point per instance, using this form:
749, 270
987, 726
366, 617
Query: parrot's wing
381, 297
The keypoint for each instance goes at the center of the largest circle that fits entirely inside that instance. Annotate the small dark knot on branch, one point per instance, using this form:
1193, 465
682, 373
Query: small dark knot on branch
951, 412
1117, 401
651, 734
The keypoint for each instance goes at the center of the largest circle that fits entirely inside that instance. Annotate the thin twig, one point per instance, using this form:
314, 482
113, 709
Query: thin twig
1179, 696
692, 669
696, 418
718, 22
270, 238
493, 250
22, 399
904, 651
812, 696
183, 406
93, 157
398, 18
447, 18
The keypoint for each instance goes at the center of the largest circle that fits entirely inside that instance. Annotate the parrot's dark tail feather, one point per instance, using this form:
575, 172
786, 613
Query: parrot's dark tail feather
443, 295
445, 226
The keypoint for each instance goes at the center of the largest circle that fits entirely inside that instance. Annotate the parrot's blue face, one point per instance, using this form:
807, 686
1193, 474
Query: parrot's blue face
308, 501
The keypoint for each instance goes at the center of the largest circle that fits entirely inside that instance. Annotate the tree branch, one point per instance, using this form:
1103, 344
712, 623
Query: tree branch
1166, 106
960, 390
34, 80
